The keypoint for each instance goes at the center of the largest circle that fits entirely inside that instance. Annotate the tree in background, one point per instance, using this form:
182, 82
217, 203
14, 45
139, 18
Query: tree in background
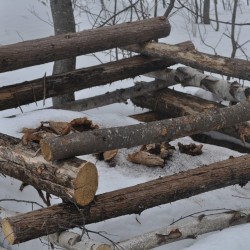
64, 22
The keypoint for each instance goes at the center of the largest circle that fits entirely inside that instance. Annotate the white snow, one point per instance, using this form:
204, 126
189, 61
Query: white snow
17, 23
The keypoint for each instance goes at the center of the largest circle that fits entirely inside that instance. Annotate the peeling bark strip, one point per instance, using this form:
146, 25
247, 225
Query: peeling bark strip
119, 95
73, 180
129, 200
30, 91
34, 52
172, 104
101, 140
193, 58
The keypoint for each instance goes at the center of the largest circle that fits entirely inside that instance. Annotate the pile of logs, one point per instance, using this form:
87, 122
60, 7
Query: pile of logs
51, 166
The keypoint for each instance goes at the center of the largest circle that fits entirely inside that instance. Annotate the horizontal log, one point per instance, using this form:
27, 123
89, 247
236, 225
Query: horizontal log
191, 57
101, 140
31, 91
171, 104
117, 96
135, 199
34, 52
72, 180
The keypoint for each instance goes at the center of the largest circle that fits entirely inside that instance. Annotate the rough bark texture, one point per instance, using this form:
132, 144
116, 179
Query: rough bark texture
213, 63
74, 180
31, 91
34, 52
101, 140
173, 104
119, 95
129, 200
64, 22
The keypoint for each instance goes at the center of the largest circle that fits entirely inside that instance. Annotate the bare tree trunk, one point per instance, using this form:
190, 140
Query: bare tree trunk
216, 15
101, 140
191, 57
234, 43
206, 12
64, 22
72, 180
34, 52
196, 11
129, 200
170, 8
31, 91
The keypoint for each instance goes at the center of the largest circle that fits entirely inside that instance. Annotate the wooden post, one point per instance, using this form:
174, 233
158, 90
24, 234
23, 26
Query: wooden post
34, 52
213, 63
18, 94
135, 199
101, 140
72, 180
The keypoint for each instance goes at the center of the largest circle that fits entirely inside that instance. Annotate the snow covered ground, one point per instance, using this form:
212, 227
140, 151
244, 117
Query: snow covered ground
17, 23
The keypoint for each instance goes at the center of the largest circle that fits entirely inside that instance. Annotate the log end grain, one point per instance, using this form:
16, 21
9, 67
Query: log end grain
8, 231
86, 184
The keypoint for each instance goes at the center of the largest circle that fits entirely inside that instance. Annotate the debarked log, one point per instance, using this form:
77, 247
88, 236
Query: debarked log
117, 96
13, 96
72, 180
101, 140
237, 68
135, 199
34, 52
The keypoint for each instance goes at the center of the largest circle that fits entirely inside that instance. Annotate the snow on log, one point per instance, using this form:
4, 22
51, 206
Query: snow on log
101, 140
173, 104
191, 57
13, 96
34, 52
72, 180
119, 95
130, 200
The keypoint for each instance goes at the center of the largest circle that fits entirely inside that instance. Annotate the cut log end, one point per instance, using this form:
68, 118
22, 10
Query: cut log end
8, 231
86, 184
45, 149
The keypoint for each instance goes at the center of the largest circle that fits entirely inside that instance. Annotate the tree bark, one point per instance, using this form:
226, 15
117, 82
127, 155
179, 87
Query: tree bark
206, 12
213, 63
64, 22
34, 52
171, 104
129, 200
101, 140
119, 95
31, 91
72, 180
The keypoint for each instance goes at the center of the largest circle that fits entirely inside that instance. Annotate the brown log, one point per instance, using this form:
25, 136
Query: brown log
129, 200
117, 96
101, 140
34, 52
149, 116
175, 104
213, 63
73, 180
31, 91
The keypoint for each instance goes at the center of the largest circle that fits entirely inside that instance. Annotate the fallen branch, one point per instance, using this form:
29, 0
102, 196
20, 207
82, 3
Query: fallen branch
13, 96
73, 180
213, 63
128, 136
135, 199
119, 95
34, 52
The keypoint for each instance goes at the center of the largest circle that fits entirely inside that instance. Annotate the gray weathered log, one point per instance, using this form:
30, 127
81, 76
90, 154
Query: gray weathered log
119, 95
64, 22
213, 63
175, 104
135, 199
31, 91
72, 180
34, 52
101, 140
